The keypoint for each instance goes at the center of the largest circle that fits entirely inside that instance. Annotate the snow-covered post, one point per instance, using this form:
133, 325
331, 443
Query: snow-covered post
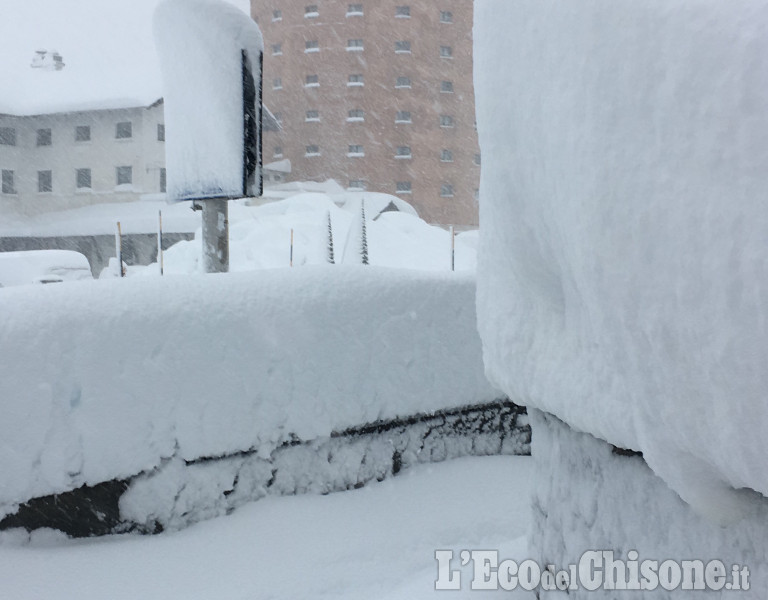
211, 59
119, 250
160, 240
453, 249
290, 262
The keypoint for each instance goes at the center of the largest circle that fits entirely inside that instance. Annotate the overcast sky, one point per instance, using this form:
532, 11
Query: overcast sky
107, 46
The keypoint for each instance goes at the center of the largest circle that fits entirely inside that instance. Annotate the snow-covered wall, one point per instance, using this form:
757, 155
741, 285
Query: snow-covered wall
594, 498
623, 263
103, 380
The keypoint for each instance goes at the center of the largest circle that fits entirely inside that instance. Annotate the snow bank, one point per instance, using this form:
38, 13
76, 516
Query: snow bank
623, 277
200, 45
105, 379
376, 543
593, 498
260, 236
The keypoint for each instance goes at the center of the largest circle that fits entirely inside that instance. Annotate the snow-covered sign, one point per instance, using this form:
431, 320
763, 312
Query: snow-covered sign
211, 62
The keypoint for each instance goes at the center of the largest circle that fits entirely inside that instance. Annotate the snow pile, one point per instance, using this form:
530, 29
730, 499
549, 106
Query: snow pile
623, 277
376, 543
46, 266
260, 236
106, 379
200, 45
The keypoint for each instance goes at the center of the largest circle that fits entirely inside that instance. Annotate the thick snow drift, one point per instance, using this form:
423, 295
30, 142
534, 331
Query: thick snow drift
260, 236
105, 379
376, 543
200, 45
623, 277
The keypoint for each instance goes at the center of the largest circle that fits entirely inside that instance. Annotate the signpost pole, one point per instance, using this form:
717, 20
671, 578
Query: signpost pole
215, 235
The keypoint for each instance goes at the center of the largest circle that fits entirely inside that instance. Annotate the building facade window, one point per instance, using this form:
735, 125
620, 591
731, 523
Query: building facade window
124, 130
44, 181
83, 133
356, 185
402, 47
403, 187
355, 80
446, 121
403, 12
161, 132
355, 150
312, 81
446, 87
354, 10
446, 155
446, 190
403, 82
446, 16
355, 45
446, 52
124, 175
277, 49
403, 152
312, 150
311, 46
403, 116
310, 11
277, 15
44, 137
478, 159
7, 136
9, 185
356, 115
83, 179
277, 152
312, 115
277, 83
163, 180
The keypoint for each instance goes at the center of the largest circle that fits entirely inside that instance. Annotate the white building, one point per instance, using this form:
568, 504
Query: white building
82, 125
66, 160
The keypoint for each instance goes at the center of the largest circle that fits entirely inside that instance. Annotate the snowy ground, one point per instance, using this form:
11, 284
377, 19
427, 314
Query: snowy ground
375, 543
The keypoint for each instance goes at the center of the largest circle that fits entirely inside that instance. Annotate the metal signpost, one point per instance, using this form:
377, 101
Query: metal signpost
188, 33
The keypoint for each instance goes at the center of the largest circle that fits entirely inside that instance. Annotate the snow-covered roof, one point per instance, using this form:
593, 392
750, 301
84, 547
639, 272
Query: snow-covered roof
107, 49
281, 166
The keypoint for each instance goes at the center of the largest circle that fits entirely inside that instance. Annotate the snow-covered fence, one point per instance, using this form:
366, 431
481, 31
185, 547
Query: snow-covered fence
110, 379
179, 492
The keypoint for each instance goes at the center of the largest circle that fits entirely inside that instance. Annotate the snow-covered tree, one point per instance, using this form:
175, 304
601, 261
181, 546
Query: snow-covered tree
330, 240
364, 238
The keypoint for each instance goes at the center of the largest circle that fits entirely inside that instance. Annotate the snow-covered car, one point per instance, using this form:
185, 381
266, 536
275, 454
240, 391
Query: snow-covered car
42, 266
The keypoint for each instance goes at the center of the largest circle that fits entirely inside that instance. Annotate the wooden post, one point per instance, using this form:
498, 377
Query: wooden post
160, 240
119, 249
453, 249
